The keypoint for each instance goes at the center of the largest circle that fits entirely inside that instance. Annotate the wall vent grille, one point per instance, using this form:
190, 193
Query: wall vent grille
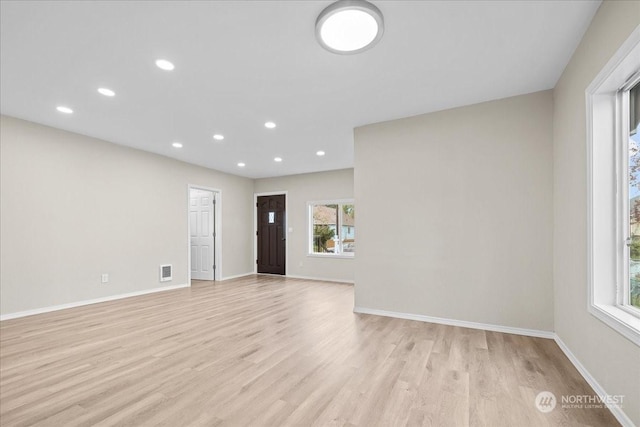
165, 273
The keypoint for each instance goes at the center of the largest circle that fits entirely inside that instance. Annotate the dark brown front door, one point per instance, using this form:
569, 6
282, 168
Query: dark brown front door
271, 234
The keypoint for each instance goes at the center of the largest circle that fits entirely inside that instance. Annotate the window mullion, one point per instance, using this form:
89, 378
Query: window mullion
339, 229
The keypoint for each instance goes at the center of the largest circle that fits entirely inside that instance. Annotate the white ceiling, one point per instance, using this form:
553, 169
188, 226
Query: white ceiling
241, 63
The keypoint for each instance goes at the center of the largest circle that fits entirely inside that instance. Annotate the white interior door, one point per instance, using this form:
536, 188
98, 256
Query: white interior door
202, 232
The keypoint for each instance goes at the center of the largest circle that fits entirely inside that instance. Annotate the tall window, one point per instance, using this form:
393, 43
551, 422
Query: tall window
613, 170
332, 228
631, 109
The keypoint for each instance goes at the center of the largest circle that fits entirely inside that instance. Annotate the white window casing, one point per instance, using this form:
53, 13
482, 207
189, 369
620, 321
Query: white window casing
607, 186
310, 227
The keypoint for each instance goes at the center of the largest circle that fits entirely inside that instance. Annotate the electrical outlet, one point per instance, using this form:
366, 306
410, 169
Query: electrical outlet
105, 278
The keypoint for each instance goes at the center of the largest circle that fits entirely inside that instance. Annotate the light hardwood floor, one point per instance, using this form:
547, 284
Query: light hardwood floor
266, 351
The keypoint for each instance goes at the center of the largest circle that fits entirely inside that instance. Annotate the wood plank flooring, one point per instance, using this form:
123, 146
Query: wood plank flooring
269, 351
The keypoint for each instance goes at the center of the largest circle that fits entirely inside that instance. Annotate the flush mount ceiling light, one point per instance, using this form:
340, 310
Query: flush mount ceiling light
218, 137
270, 125
349, 26
177, 144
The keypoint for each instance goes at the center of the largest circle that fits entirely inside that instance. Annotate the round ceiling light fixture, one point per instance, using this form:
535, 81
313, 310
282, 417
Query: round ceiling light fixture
349, 26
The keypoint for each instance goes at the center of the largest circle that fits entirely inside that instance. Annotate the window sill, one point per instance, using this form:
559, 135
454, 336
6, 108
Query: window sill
340, 256
623, 322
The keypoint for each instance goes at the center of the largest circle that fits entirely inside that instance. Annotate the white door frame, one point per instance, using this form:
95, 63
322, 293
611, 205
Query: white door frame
255, 228
217, 228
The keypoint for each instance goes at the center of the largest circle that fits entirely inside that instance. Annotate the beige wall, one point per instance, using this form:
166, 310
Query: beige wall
300, 190
612, 359
73, 207
455, 214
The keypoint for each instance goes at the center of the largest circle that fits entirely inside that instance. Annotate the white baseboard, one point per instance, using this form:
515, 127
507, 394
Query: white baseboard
322, 279
453, 322
237, 276
88, 302
615, 410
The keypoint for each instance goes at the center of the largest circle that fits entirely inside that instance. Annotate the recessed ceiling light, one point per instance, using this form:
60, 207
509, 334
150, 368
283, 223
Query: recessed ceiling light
64, 109
106, 92
218, 137
177, 144
277, 159
349, 26
241, 165
270, 125
163, 64
320, 153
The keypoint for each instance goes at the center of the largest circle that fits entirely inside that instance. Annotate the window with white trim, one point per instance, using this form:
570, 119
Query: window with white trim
630, 103
332, 228
613, 154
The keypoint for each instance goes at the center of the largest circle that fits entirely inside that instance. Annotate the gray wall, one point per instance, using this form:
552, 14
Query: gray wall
300, 190
74, 207
612, 359
455, 214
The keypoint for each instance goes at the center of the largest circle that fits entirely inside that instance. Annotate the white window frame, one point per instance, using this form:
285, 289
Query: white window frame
624, 289
310, 205
607, 191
